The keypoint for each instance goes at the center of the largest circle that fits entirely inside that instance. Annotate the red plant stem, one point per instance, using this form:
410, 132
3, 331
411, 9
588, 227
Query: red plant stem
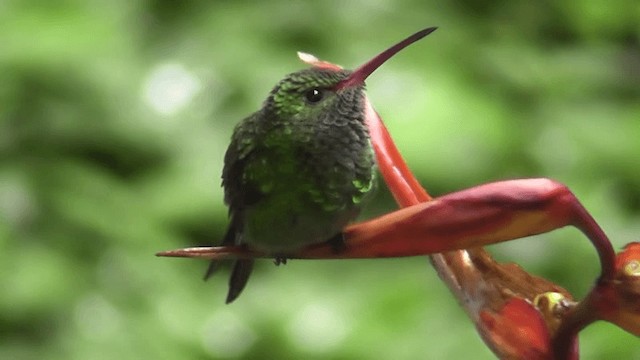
453, 267
404, 186
587, 224
407, 191
581, 316
615, 299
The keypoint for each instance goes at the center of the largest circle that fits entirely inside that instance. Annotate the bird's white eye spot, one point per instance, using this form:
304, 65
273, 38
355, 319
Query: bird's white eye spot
314, 95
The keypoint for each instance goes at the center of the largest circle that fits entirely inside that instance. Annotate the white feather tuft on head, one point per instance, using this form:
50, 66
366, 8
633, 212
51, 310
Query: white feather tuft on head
307, 58
314, 61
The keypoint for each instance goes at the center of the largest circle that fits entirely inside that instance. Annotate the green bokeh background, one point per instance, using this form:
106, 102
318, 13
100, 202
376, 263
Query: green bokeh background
114, 118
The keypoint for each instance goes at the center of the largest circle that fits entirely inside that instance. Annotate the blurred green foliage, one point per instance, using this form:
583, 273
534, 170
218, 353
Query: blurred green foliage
114, 117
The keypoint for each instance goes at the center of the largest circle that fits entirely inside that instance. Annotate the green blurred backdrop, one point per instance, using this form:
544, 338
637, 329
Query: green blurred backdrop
114, 118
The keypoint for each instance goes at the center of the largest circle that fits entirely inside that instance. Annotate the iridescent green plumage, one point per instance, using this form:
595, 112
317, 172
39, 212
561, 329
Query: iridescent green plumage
297, 171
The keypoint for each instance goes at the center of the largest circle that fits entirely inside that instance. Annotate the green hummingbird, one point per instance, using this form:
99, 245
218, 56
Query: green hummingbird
298, 170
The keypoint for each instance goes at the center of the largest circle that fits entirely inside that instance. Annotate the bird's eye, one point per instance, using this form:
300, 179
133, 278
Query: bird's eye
314, 95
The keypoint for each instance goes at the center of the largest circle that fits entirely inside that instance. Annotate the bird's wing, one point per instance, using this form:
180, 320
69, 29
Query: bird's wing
240, 190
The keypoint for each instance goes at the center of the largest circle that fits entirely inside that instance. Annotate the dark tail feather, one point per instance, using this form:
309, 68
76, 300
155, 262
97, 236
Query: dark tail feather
213, 267
229, 239
239, 277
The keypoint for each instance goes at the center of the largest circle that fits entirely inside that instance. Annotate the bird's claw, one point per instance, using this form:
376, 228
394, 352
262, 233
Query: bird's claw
337, 243
280, 260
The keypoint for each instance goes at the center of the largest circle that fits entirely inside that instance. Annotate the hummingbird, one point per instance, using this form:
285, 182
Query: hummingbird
299, 169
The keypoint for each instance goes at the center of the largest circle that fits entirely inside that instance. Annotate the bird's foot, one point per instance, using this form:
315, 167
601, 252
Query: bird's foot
280, 260
337, 243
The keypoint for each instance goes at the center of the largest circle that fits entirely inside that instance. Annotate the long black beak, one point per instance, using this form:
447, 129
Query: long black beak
360, 74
